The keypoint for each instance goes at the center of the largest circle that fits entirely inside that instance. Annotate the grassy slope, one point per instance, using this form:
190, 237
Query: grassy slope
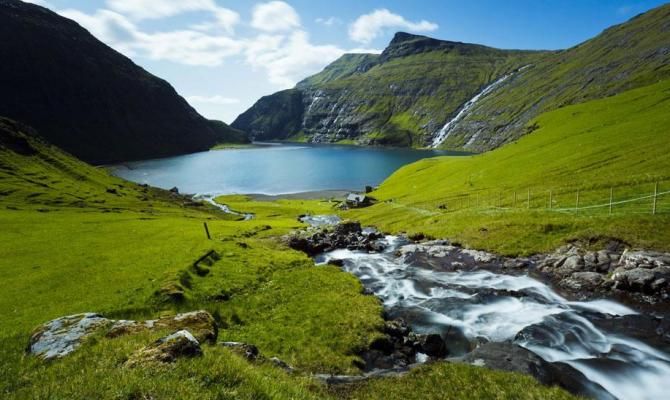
619, 142
343, 67
630, 55
71, 246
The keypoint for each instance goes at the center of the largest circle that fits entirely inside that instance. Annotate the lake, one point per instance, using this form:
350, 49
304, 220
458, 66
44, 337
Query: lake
274, 168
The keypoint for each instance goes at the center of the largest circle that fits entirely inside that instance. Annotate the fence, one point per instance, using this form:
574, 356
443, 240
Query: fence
637, 198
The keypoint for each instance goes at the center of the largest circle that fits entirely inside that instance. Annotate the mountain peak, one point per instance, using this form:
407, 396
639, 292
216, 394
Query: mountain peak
405, 44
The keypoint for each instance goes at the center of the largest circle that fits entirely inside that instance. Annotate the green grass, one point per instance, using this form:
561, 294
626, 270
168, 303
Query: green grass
620, 142
76, 239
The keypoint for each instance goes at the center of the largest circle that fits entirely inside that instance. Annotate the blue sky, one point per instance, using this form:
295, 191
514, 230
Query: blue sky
223, 55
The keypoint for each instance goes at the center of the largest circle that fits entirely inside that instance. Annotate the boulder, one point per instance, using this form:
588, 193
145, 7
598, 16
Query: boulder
635, 280
582, 281
432, 345
347, 227
167, 349
62, 336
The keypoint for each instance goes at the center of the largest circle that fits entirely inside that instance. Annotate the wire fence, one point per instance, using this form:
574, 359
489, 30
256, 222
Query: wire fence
637, 198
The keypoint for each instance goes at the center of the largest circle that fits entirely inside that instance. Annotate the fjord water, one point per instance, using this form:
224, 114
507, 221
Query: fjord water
497, 307
273, 169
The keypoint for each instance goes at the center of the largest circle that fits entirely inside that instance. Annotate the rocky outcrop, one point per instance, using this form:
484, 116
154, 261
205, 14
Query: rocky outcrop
642, 275
88, 99
346, 235
62, 336
166, 350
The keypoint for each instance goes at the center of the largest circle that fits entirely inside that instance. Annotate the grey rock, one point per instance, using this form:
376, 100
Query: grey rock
582, 281
62, 336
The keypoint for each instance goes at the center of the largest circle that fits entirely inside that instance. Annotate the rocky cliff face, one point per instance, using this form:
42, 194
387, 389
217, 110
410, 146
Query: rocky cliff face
407, 95
87, 98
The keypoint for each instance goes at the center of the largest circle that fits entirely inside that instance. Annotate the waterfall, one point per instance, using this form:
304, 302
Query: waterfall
446, 130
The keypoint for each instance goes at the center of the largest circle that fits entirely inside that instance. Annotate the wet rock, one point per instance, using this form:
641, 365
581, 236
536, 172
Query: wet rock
510, 357
62, 336
653, 331
582, 281
576, 383
167, 349
348, 227
432, 345
571, 265
637, 280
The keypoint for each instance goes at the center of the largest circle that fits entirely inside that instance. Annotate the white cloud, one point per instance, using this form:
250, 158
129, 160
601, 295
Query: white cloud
275, 16
155, 9
216, 99
330, 21
288, 59
367, 27
284, 56
181, 46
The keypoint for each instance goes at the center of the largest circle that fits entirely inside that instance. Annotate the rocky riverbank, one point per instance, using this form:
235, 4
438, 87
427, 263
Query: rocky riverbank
473, 306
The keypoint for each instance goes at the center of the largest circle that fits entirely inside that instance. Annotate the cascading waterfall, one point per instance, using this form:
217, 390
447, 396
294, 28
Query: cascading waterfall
446, 130
499, 307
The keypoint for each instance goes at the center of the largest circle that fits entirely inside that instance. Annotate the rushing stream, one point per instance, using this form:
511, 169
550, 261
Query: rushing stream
489, 306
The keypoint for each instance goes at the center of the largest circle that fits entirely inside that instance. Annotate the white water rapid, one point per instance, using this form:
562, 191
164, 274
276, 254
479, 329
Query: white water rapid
499, 307
446, 130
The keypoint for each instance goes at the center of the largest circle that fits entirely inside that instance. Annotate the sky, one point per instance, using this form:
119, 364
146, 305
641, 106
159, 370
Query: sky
223, 55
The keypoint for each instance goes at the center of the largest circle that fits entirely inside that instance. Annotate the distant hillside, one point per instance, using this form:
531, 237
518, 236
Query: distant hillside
406, 95
89, 99
619, 143
400, 97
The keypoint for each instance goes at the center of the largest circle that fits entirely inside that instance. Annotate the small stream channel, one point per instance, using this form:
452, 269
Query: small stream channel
488, 306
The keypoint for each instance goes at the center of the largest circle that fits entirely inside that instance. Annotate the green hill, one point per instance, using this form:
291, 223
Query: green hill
620, 143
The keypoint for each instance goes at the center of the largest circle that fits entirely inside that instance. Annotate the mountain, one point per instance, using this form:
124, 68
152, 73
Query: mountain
87, 98
408, 94
399, 97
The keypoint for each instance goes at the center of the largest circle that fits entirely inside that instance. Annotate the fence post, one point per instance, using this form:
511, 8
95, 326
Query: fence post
611, 196
577, 203
528, 204
653, 210
514, 204
207, 230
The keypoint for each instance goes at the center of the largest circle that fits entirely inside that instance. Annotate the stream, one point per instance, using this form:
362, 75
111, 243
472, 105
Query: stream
488, 306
